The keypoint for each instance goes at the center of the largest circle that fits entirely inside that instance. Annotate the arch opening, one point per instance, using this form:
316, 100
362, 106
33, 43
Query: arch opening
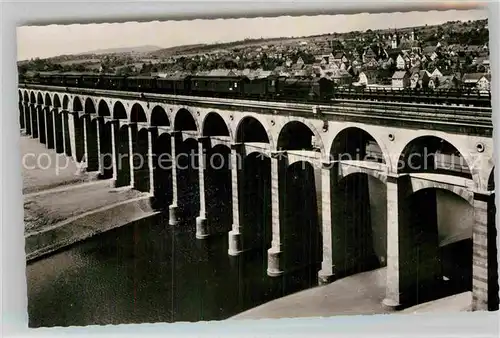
251, 130
58, 131
119, 111
28, 119
436, 245
296, 136
140, 159
214, 125
42, 136
21, 115
65, 104
92, 144
137, 114
123, 160
256, 204
162, 171
78, 122
493, 285
39, 98
218, 189
184, 121
188, 190
159, 117
32, 98
66, 132
50, 120
57, 101
105, 145
302, 241
491, 180
433, 155
359, 224
89, 106
34, 121
355, 144
77, 104
26, 97
48, 101
103, 109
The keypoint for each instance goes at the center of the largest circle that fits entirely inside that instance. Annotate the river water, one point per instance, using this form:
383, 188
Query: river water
150, 272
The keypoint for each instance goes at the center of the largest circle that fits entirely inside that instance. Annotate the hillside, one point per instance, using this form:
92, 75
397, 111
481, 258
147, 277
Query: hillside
136, 49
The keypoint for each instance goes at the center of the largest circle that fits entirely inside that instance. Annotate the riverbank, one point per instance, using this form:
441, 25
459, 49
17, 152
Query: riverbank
361, 294
63, 204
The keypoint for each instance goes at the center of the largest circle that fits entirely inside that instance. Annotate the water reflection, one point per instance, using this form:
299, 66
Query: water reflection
147, 272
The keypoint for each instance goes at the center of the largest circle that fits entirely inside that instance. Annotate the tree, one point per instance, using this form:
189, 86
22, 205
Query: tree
230, 64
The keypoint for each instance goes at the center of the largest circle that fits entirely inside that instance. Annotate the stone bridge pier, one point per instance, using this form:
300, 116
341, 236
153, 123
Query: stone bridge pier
336, 189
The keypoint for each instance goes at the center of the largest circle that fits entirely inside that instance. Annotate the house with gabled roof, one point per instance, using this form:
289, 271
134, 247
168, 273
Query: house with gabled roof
400, 79
400, 62
436, 72
447, 82
480, 81
368, 77
419, 79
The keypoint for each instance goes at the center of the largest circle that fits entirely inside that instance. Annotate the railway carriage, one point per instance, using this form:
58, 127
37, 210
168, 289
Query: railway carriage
230, 86
51, 78
260, 87
141, 83
113, 82
174, 84
89, 80
72, 79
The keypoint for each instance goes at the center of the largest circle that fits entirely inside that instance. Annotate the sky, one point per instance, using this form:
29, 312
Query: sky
53, 40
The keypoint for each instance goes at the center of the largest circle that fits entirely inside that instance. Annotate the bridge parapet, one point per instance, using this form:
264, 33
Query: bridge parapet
456, 119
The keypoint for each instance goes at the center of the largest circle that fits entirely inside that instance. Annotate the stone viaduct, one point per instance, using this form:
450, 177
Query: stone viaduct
345, 187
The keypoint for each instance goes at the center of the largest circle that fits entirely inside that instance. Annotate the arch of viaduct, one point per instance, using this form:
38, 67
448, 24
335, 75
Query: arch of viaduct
106, 132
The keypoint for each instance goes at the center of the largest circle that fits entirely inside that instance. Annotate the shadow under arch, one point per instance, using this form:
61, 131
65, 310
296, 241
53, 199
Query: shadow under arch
214, 125
162, 171
39, 98
77, 104
140, 158
47, 101
218, 189
249, 129
492, 243
119, 111
89, 106
41, 112
79, 133
123, 160
57, 101
436, 245
159, 117
255, 203
32, 97
432, 154
359, 223
188, 190
103, 109
92, 142
296, 135
184, 120
137, 114
302, 241
65, 104
356, 144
